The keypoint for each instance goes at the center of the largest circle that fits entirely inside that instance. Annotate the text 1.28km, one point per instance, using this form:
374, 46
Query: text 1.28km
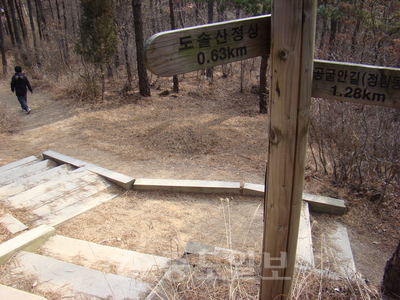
221, 54
358, 93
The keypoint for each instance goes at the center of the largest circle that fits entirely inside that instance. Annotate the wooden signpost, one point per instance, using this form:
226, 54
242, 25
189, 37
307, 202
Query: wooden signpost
288, 36
292, 54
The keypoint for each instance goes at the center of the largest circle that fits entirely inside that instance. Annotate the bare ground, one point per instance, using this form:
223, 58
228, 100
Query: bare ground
207, 131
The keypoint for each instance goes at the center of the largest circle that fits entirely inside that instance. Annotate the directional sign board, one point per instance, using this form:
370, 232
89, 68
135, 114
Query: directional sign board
189, 49
356, 83
184, 50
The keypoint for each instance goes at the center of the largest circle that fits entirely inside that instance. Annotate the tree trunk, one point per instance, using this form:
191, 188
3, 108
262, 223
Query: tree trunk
74, 20
332, 34
144, 87
180, 14
64, 35
209, 71
128, 67
220, 11
103, 82
51, 9
8, 28
2, 49
18, 40
153, 18
241, 76
40, 18
357, 29
160, 16
391, 278
172, 18
197, 12
33, 28
21, 19
60, 35
262, 94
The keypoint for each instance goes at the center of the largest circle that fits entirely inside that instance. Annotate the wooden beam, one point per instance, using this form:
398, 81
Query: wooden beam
292, 49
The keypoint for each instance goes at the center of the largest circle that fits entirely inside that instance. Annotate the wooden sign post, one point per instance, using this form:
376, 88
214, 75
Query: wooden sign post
295, 77
292, 53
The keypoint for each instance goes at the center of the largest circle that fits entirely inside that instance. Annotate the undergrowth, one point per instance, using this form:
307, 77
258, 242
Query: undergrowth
7, 120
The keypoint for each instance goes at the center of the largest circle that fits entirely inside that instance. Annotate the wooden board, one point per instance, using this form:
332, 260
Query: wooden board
184, 50
356, 83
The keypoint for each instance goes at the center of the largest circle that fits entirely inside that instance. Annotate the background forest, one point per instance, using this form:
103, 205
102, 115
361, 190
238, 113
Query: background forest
81, 47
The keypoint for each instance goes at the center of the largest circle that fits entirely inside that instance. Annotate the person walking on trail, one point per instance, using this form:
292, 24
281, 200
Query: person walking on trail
20, 84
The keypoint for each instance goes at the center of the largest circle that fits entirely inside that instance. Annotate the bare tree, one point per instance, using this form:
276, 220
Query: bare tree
210, 6
144, 87
124, 21
14, 19
33, 28
8, 28
21, 19
41, 20
172, 17
2, 48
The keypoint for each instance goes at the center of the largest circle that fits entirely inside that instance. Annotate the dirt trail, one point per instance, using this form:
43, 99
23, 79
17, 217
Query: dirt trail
135, 139
31, 136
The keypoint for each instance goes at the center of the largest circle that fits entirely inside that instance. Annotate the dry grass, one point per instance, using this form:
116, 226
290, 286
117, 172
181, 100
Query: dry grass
213, 278
7, 120
190, 136
313, 285
5, 234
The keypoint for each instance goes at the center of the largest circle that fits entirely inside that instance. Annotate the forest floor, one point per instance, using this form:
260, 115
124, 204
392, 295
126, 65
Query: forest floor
206, 132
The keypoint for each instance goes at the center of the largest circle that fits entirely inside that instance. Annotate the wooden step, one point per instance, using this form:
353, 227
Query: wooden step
104, 258
25, 170
31, 197
29, 240
24, 184
62, 214
17, 163
12, 224
72, 191
74, 281
337, 249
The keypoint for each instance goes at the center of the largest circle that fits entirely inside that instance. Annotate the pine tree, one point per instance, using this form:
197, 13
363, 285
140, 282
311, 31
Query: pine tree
98, 38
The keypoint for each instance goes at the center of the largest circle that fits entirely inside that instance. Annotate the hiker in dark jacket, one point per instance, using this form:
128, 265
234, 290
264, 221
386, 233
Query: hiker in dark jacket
19, 84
